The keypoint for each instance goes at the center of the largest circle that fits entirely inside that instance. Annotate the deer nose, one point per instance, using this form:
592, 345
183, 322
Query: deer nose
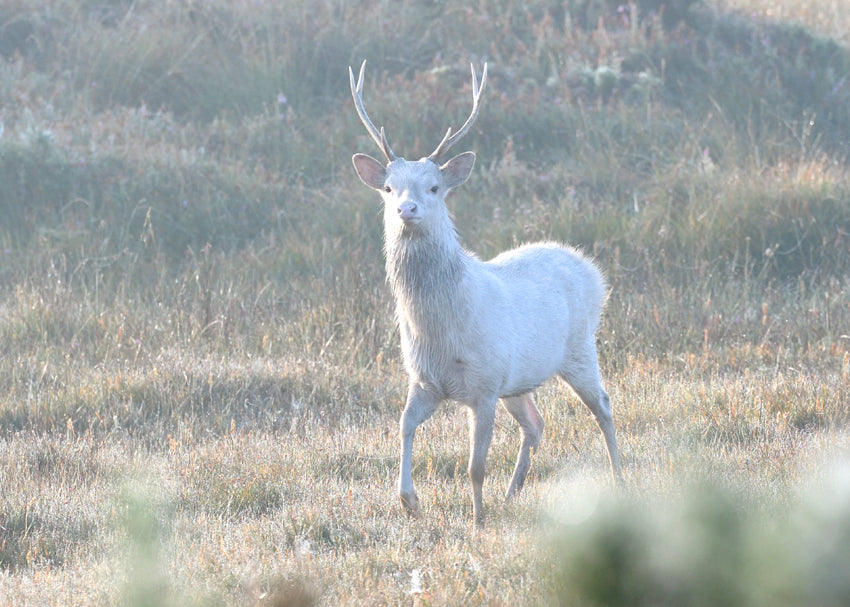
407, 210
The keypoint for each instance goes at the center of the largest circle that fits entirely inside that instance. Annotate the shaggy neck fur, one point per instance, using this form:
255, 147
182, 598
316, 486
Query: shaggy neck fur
424, 269
426, 274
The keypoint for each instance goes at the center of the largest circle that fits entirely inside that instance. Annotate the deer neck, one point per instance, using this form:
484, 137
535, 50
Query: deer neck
425, 268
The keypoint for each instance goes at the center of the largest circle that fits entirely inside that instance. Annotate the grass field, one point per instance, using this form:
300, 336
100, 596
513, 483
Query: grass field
200, 380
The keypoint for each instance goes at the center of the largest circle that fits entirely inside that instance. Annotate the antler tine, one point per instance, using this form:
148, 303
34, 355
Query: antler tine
357, 92
450, 139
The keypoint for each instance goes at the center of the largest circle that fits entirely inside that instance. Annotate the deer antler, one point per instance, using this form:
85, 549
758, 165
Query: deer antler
377, 136
449, 140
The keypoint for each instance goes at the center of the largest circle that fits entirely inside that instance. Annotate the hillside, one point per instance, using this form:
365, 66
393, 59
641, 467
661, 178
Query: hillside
192, 287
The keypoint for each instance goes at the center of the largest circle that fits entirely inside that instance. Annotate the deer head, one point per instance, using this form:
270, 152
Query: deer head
414, 191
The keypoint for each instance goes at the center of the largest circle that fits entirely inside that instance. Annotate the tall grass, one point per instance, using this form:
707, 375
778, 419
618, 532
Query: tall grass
199, 376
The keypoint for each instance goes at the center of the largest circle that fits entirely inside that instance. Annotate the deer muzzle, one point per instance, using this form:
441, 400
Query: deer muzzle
407, 210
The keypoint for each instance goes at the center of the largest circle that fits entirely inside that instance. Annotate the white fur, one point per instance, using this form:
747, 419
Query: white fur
476, 331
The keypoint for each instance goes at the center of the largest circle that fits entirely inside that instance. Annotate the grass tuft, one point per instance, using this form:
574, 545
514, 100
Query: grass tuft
711, 545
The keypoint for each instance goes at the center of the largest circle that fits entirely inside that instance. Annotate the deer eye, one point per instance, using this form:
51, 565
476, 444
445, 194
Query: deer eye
434, 189
388, 189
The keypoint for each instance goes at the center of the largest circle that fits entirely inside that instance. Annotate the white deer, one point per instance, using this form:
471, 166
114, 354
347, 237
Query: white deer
474, 331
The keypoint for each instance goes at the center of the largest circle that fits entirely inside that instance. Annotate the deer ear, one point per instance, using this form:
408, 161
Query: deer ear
457, 170
370, 171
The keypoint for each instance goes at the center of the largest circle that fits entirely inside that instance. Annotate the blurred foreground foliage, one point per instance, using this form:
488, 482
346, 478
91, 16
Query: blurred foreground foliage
711, 545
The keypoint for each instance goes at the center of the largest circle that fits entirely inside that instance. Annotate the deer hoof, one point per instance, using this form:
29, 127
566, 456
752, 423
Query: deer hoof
411, 504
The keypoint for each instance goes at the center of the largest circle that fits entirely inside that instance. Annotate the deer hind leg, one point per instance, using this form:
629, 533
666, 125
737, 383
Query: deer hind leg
523, 410
419, 407
583, 377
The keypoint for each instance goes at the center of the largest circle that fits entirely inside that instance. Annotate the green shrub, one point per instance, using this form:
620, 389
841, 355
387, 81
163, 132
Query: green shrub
713, 546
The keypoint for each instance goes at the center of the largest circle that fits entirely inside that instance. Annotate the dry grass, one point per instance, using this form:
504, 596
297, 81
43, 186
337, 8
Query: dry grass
199, 376
199, 520
829, 17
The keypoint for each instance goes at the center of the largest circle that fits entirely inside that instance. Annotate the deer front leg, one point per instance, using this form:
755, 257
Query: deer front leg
523, 410
419, 407
482, 416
